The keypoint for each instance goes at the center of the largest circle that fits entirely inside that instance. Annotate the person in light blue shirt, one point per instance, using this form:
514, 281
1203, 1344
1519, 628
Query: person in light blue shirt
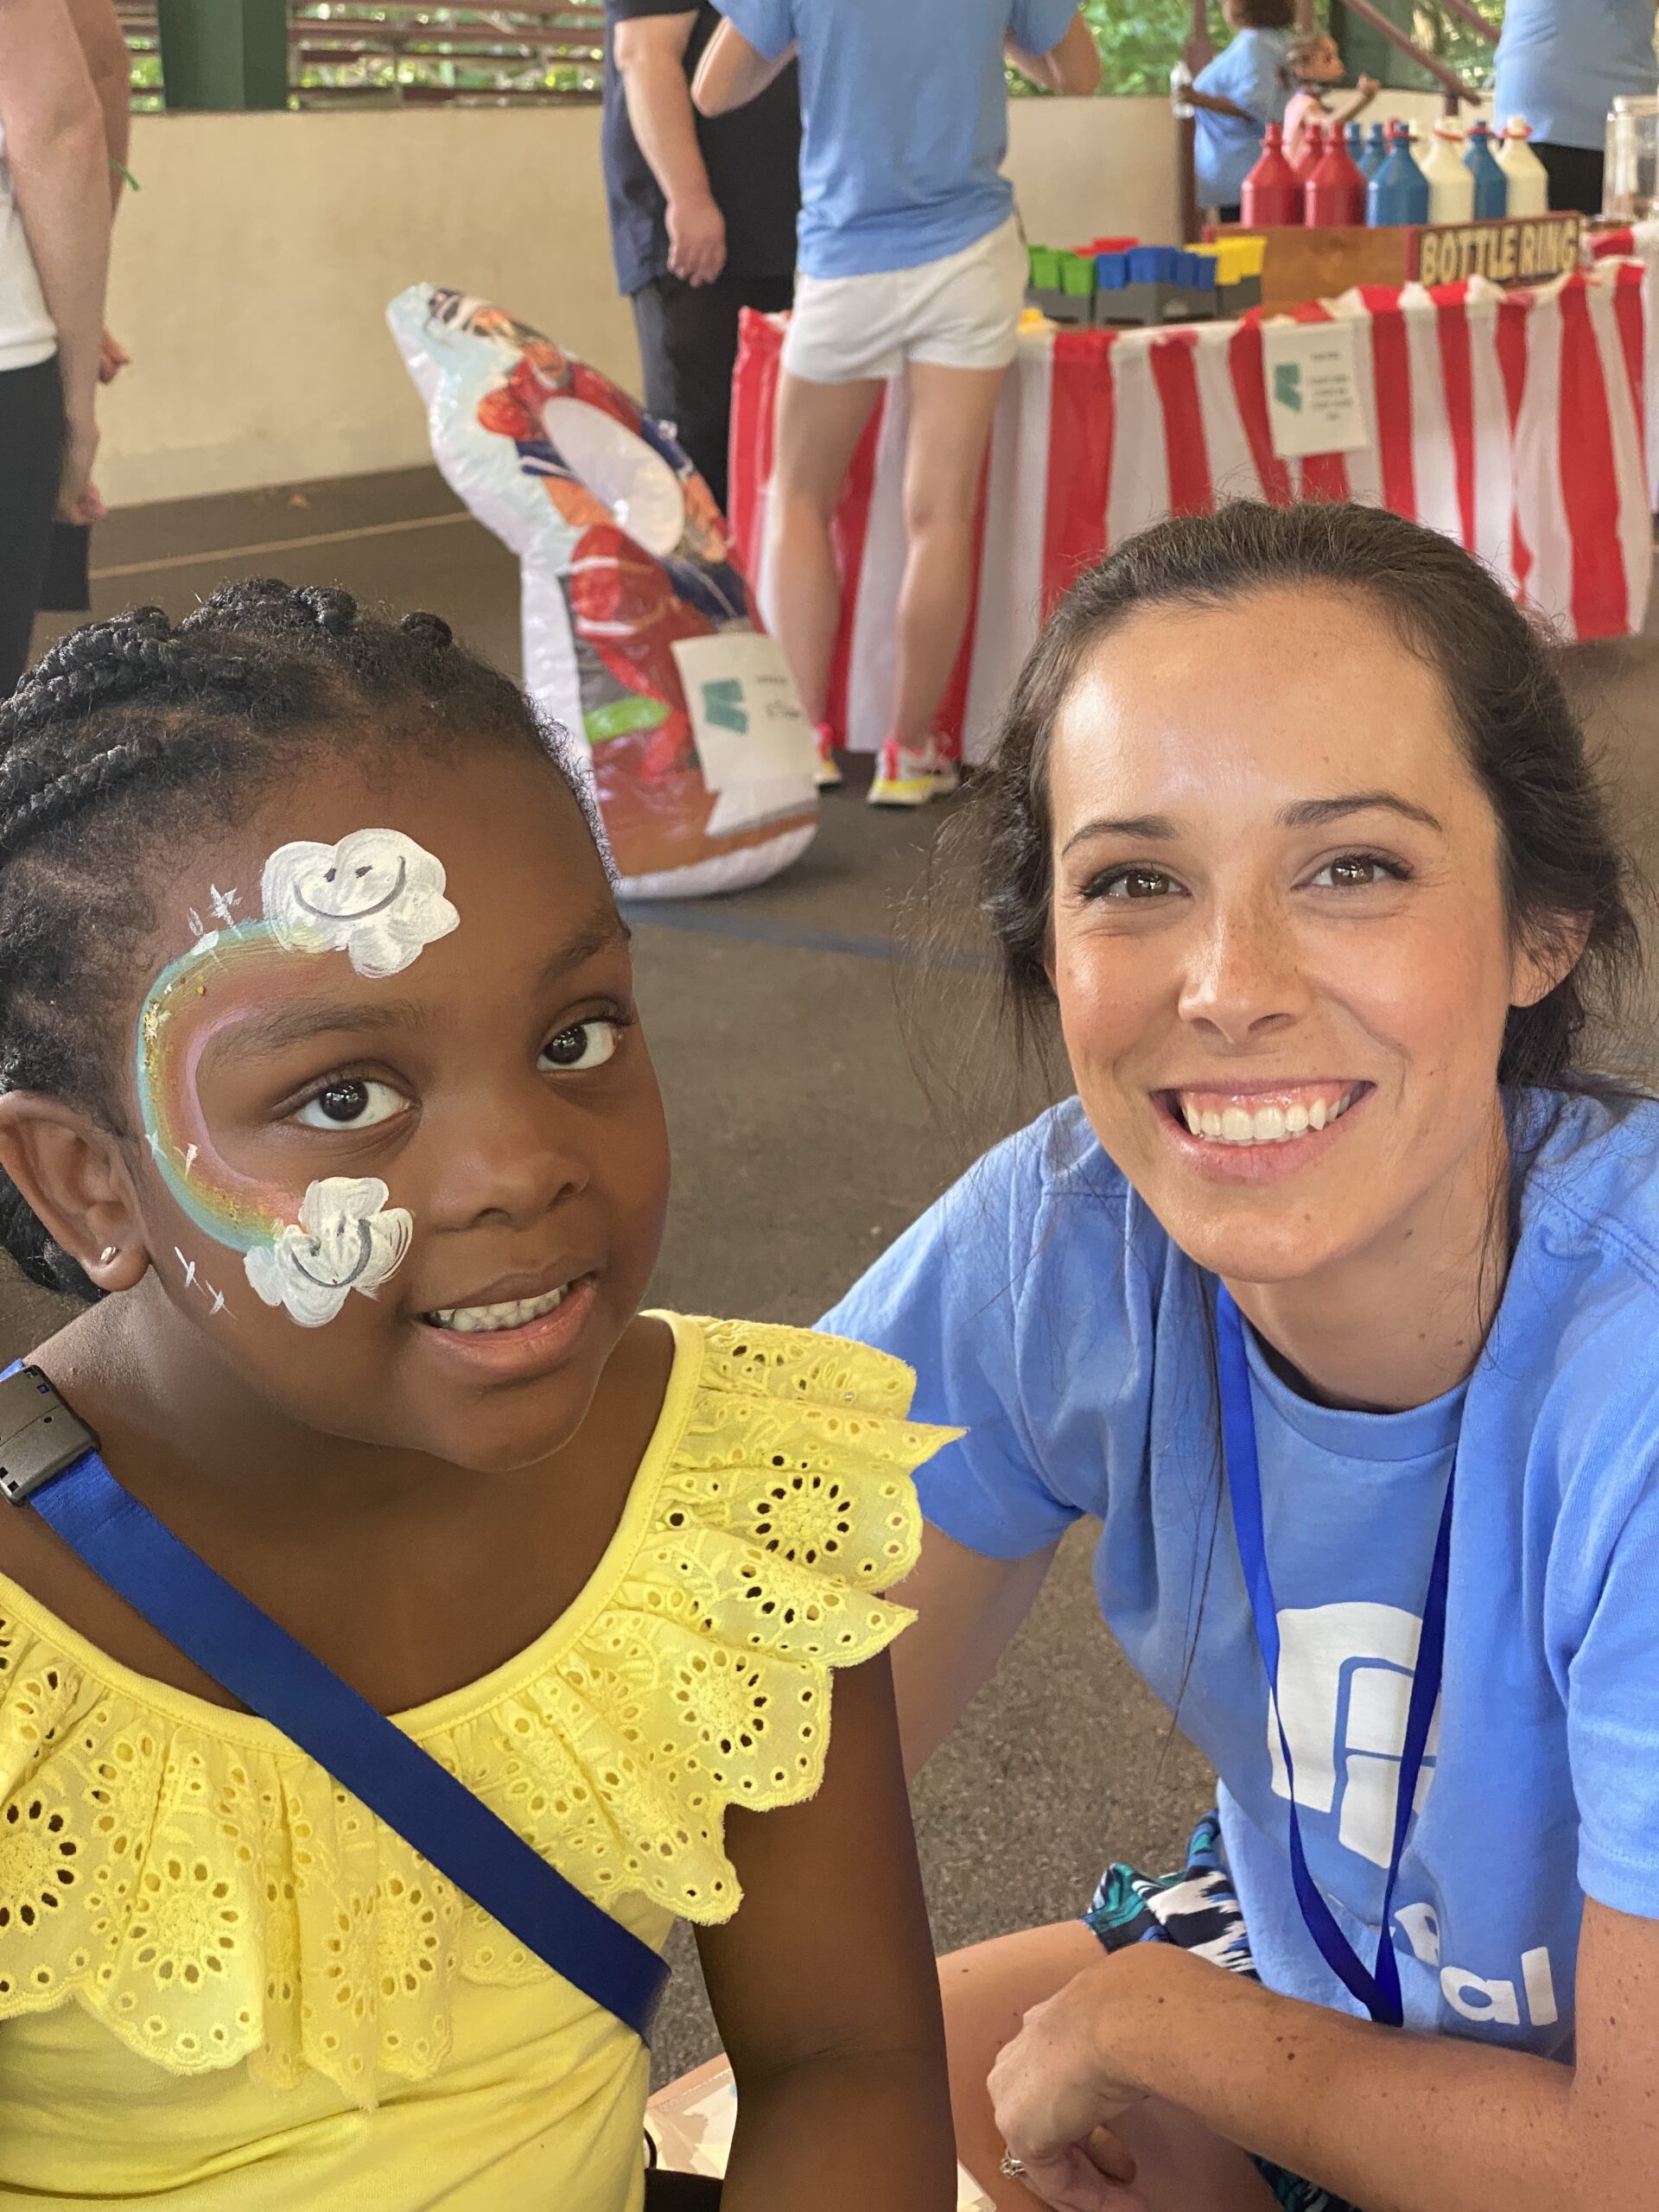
1322, 938
911, 266
1561, 65
1246, 87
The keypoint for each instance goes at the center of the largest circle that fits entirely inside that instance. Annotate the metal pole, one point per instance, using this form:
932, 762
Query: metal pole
224, 54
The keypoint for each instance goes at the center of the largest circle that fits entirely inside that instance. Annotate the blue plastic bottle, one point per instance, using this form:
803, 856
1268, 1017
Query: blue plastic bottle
1377, 150
1399, 191
1355, 135
1491, 186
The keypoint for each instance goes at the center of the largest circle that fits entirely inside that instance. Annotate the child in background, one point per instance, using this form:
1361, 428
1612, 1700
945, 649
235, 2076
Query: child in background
1236, 96
1313, 66
315, 986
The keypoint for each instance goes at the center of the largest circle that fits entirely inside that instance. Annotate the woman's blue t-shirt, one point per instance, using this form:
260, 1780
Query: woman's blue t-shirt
1249, 71
1043, 1307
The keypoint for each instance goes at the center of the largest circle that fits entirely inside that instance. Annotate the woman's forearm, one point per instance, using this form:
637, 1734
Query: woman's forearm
1393, 2121
859, 2129
60, 173
1213, 104
731, 72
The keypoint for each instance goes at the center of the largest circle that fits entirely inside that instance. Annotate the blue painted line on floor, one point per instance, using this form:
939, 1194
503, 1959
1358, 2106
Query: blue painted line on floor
744, 928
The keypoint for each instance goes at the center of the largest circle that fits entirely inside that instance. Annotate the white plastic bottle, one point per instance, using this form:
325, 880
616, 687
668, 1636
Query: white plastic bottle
1451, 187
1529, 180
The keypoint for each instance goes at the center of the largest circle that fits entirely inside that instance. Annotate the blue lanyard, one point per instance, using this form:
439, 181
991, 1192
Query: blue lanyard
1379, 1992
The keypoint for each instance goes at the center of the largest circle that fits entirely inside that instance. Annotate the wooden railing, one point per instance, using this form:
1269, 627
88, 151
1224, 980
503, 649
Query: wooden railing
535, 51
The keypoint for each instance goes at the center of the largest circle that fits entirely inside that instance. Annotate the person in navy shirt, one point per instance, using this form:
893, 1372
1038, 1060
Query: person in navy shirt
1246, 86
911, 265
1561, 65
1332, 1295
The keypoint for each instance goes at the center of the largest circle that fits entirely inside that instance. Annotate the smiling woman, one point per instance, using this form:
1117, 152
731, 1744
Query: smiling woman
1330, 1293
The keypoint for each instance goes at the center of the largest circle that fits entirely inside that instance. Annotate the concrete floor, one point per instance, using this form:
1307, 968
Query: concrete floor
803, 1143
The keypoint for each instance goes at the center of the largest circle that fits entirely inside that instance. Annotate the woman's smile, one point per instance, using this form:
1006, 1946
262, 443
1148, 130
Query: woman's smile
1257, 1134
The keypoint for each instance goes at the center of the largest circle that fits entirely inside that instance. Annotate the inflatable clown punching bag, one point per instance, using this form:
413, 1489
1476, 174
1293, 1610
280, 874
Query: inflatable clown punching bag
639, 634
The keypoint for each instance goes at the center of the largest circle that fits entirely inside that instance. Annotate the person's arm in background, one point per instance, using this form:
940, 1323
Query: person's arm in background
1072, 66
56, 150
1214, 104
968, 1608
105, 45
650, 54
1360, 98
732, 73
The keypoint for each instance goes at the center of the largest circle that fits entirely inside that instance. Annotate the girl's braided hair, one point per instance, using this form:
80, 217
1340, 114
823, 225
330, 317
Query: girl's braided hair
132, 736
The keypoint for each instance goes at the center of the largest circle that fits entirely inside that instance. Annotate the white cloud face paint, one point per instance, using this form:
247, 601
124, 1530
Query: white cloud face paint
377, 896
346, 1238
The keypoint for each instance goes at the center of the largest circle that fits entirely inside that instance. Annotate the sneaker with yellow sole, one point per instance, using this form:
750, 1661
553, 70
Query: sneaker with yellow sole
906, 779
828, 774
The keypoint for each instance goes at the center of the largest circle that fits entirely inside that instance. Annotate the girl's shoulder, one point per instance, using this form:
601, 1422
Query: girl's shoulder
772, 1509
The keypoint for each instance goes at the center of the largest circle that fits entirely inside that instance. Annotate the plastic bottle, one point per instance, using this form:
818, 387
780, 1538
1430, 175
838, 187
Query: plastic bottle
1270, 196
1399, 191
1311, 152
1491, 186
1450, 187
1529, 180
1354, 137
1377, 150
1334, 196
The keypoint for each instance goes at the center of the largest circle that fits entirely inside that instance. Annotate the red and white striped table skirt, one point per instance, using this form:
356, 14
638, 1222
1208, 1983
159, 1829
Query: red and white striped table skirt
1512, 421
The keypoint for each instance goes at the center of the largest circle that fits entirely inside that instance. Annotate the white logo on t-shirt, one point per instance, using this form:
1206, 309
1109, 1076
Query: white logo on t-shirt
1344, 1686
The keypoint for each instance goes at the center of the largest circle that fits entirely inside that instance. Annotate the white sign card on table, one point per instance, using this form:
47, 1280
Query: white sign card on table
1313, 380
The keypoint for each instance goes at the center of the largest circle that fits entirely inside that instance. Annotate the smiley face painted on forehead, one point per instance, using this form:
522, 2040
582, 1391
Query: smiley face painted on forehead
379, 898
376, 896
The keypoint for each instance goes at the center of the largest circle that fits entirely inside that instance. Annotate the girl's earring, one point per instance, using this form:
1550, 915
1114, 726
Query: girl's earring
109, 1253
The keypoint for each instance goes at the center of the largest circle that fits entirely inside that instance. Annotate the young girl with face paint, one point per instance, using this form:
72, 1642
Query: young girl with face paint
323, 1085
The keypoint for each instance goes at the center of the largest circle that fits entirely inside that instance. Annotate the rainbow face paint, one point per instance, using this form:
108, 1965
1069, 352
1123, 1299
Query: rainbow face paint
376, 896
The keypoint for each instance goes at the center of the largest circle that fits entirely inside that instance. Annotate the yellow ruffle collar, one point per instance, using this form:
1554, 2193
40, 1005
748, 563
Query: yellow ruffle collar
212, 1895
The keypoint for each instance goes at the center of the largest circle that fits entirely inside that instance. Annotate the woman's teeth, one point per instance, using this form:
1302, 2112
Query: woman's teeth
1267, 1124
469, 1320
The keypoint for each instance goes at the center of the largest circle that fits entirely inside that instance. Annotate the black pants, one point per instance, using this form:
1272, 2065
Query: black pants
687, 344
1574, 175
31, 447
666, 2192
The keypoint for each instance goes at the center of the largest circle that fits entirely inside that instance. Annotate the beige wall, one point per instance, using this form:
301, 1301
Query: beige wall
253, 268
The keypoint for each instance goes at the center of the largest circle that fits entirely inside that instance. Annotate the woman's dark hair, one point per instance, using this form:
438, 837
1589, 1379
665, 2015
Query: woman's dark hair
1562, 869
128, 739
1264, 15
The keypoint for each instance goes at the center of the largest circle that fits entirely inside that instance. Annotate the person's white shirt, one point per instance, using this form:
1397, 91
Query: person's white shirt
26, 333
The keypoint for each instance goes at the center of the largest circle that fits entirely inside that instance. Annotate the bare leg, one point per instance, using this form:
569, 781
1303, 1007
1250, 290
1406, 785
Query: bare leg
951, 412
1181, 2166
819, 426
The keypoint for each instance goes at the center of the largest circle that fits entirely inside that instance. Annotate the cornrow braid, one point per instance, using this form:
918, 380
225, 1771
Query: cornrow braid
128, 736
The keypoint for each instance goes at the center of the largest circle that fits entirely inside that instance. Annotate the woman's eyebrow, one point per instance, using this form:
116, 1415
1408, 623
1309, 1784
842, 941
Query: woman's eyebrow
1310, 813
1305, 814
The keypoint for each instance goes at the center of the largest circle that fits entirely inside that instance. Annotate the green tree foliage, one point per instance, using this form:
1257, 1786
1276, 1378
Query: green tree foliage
1140, 41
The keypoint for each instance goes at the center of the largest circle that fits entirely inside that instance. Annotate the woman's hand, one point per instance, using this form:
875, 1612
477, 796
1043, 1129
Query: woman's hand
1057, 2086
78, 499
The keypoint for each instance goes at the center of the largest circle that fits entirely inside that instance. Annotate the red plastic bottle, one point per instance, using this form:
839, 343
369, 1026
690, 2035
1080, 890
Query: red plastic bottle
1311, 152
1271, 196
1334, 194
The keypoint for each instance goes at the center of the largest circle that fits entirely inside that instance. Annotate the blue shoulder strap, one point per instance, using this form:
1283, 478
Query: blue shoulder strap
261, 1664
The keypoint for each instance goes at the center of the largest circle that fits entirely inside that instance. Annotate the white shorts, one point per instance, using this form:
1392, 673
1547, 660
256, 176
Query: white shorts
961, 312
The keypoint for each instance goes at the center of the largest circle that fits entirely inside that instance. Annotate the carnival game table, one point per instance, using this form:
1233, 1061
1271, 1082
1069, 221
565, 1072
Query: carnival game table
1511, 420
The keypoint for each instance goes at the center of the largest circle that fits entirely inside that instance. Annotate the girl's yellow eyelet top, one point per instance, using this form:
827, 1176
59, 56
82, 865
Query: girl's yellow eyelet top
224, 1983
